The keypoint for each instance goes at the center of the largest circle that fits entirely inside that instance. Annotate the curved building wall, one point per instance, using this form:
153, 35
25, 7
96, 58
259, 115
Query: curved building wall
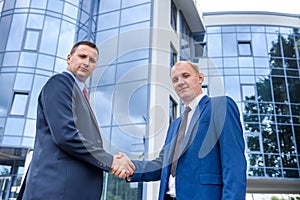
258, 57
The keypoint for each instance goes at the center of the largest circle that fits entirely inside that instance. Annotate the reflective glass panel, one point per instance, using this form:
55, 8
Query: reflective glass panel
15, 39
66, 39
103, 104
108, 5
229, 45
129, 138
6, 88
28, 59
50, 36
14, 126
11, 141
132, 71
19, 104
38, 83
22, 3
106, 75
30, 128
31, 40
126, 110
214, 45
109, 20
55, 5
23, 82
10, 59
135, 14
133, 2
45, 62
35, 21
259, 44
39, 4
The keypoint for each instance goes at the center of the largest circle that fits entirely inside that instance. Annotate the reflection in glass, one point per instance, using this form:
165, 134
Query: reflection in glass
14, 126
45, 62
6, 88
129, 139
38, 83
10, 59
103, 104
35, 21
11, 141
245, 48
279, 88
55, 5
31, 40
27, 59
29, 130
66, 39
130, 103
259, 44
214, 45
108, 20
253, 142
229, 44
50, 35
135, 14
269, 136
19, 104
108, 5
15, 39
130, 71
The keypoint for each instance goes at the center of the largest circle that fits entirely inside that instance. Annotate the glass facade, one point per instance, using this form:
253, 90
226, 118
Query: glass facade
36, 36
260, 66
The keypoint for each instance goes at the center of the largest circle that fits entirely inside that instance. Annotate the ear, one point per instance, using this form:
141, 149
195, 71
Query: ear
201, 78
68, 58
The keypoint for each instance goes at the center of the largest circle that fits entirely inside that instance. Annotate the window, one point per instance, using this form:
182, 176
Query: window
173, 56
173, 110
19, 103
173, 16
32, 38
244, 48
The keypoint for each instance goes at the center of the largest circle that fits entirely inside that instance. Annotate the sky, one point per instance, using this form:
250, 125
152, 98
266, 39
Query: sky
282, 6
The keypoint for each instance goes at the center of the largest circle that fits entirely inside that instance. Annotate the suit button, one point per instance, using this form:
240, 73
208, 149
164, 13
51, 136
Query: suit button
99, 141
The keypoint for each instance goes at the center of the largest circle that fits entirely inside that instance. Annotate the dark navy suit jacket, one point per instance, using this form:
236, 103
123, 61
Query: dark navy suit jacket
212, 165
68, 158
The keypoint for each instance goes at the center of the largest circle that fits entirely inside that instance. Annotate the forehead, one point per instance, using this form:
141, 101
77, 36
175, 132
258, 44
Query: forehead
181, 68
85, 49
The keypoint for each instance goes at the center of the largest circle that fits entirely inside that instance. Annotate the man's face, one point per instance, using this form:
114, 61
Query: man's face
83, 61
186, 81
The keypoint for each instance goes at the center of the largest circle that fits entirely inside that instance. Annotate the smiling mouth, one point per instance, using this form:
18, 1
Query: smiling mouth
182, 89
84, 69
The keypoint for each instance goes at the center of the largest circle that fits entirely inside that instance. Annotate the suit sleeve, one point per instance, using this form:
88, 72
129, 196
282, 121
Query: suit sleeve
148, 170
56, 100
232, 154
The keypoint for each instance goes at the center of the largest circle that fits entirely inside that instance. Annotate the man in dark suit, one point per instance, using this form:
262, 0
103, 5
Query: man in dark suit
209, 162
68, 158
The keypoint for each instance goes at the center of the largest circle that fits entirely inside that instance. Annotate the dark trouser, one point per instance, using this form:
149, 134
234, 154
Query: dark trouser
168, 197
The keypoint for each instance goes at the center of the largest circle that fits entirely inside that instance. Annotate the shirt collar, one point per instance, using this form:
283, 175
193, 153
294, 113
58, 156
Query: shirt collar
193, 104
80, 84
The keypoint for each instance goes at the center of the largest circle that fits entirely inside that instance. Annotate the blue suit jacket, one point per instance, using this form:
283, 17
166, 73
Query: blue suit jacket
212, 165
68, 158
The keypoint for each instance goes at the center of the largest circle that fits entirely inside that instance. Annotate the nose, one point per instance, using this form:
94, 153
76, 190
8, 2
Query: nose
86, 61
180, 81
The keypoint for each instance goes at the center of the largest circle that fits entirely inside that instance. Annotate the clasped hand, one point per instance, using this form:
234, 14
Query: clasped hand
122, 166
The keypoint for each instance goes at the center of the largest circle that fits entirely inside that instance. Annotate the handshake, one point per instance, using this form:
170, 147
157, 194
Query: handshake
122, 166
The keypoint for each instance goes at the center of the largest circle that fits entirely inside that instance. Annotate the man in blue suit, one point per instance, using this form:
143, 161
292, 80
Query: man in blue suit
211, 164
68, 158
